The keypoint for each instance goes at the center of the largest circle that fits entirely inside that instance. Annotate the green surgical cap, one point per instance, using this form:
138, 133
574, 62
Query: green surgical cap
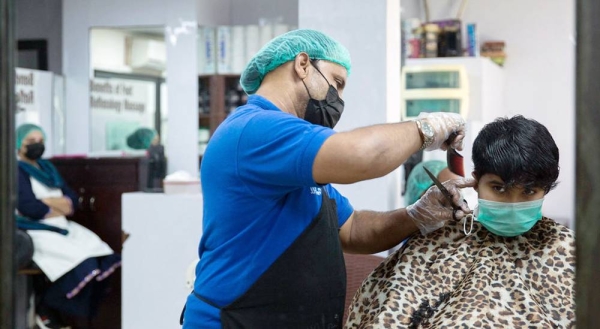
285, 47
141, 138
24, 130
418, 181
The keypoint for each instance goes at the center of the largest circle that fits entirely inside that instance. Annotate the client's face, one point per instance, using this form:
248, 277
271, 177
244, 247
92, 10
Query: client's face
492, 188
507, 211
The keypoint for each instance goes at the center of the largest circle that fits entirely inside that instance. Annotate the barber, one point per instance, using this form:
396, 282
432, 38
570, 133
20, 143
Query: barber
274, 229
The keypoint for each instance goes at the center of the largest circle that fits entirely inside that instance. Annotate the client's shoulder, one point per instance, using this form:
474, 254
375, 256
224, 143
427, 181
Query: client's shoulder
550, 226
553, 240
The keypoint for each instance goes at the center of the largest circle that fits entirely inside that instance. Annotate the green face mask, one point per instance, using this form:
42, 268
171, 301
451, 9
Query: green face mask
509, 219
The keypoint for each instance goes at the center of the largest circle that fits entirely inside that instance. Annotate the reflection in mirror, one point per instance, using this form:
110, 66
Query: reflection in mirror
127, 90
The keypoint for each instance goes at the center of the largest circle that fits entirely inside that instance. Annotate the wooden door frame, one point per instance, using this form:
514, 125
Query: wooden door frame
8, 164
587, 196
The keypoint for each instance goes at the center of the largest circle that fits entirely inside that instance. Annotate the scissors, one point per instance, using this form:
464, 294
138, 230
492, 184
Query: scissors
445, 192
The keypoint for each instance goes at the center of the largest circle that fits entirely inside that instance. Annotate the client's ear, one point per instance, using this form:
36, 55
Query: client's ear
476, 181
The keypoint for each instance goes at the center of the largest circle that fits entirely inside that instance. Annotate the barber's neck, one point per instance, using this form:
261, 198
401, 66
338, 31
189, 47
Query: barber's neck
279, 87
282, 97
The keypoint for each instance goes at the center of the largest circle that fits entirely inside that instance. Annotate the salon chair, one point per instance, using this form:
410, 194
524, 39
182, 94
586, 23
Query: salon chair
358, 268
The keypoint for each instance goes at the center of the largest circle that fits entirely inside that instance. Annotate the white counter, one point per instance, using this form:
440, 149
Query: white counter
164, 234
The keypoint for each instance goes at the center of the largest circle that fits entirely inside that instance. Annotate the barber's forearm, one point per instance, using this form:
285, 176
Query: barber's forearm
371, 232
365, 153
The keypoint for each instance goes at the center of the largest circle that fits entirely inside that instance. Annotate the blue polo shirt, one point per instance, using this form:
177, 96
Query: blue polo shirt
259, 196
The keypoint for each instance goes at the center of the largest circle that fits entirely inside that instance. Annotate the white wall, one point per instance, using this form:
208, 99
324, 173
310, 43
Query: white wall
539, 71
370, 31
178, 17
182, 85
42, 20
214, 12
244, 12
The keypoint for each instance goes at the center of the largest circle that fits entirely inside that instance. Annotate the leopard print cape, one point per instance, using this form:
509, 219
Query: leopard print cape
449, 280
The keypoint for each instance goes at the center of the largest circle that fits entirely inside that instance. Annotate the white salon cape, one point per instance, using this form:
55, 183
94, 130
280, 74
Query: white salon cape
56, 254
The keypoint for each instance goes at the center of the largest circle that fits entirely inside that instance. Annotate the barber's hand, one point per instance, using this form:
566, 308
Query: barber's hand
445, 124
433, 210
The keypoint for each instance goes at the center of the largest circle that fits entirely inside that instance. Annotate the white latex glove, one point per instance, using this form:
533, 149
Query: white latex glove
433, 210
444, 124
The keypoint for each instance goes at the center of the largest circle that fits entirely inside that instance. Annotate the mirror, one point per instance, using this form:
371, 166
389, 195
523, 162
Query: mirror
127, 90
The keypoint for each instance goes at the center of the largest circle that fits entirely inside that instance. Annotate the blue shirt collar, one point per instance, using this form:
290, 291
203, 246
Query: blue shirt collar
262, 102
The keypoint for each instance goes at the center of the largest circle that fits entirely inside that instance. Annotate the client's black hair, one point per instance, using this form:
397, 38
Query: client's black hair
521, 151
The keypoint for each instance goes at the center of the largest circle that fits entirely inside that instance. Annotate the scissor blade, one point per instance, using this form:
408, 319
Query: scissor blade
442, 188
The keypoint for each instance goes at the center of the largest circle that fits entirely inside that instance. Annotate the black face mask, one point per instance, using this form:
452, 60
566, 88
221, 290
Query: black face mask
326, 112
35, 151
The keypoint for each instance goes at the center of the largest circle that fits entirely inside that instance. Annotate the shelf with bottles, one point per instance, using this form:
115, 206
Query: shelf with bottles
218, 96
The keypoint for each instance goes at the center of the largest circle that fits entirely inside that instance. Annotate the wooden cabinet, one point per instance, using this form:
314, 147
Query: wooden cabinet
100, 182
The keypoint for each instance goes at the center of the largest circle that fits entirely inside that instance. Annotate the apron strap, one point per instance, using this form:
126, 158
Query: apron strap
197, 295
206, 300
181, 316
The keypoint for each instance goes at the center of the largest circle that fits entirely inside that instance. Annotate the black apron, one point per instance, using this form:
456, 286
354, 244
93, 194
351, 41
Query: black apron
304, 288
